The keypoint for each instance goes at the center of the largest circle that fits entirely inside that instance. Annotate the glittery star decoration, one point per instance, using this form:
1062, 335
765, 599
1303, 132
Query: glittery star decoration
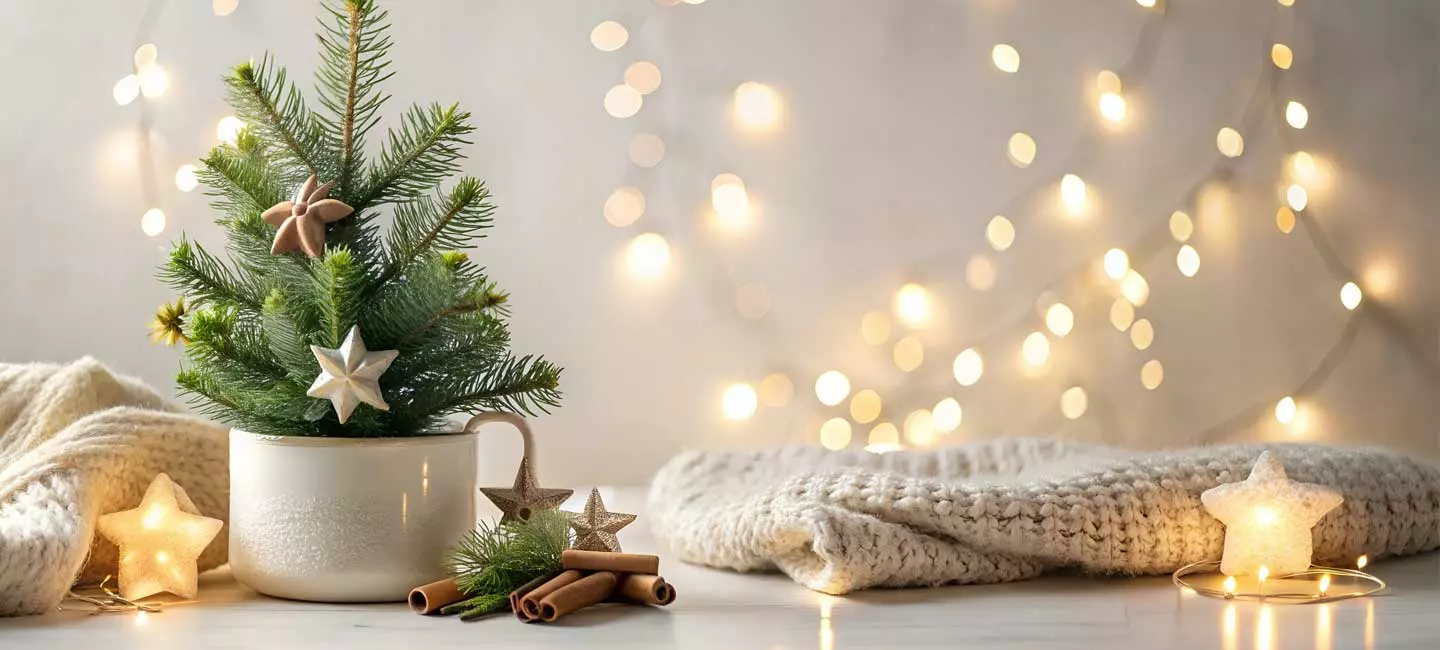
350, 374
1268, 518
526, 497
160, 541
596, 527
301, 222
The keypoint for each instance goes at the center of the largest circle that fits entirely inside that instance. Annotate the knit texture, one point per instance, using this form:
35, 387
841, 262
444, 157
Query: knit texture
77, 442
1011, 509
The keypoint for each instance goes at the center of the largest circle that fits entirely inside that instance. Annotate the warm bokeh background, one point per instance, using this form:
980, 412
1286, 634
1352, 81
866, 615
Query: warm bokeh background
887, 164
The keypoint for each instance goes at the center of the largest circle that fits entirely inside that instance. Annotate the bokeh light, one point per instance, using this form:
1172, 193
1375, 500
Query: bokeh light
947, 415
912, 305
832, 387
909, 353
1059, 319
1152, 374
1296, 115
757, 107
609, 36
865, 406
1072, 193
1350, 295
1135, 289
1142, 334
835, 434
186, 178
1281, 56
920, 428
739, 402
648, 255
1005, 57
1036, 349
875, 327
1122, 314
1188, 261
1021, 150
1116, 263
643, 76
1074, 402
152, 223
227, 130
1229, 142
623, 101
776, 390
969, 366
1181, 226
646, 149
624, 206
1000, 233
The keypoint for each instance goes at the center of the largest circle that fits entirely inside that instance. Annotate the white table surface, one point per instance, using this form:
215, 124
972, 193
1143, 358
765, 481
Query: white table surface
717, 609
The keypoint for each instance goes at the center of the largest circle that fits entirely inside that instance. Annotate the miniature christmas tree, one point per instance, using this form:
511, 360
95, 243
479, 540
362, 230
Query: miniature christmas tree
279, 340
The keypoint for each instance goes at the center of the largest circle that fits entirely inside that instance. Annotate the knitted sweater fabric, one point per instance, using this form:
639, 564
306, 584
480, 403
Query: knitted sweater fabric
1011, 509
77, 442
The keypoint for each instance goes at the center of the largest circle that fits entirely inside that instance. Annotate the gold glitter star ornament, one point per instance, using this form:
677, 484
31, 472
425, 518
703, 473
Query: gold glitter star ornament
526, 497
1268, 518
302, 222
160, 541
350, 374
596, 527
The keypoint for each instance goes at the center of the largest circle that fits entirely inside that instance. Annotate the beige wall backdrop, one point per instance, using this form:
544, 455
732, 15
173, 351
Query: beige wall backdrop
887, 165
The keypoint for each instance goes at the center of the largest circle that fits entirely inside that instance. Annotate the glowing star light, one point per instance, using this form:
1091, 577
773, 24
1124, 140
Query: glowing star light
1268, 518
350, 374
160, 541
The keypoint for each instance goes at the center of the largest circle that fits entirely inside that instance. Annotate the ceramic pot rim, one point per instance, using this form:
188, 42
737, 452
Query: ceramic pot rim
431, 440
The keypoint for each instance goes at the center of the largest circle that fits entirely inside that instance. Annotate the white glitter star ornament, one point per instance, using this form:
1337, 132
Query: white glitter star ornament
1268, 518
350, 374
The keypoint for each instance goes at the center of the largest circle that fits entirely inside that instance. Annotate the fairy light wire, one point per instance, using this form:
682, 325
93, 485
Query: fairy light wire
1271, 594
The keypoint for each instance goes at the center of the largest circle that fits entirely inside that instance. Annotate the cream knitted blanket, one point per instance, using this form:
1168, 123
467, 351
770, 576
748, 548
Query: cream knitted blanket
77, 442
1010, 509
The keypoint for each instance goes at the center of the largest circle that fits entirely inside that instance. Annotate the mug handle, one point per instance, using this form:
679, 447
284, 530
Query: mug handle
527, 438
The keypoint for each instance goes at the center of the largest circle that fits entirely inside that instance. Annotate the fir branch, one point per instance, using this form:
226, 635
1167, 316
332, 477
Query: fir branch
528, 385
423, 152
449, 221
276, 109
354, 48
495, 559
193, 272
241, 182
340, 281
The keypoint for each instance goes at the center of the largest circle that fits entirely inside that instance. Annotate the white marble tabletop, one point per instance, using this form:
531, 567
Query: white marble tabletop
717, 609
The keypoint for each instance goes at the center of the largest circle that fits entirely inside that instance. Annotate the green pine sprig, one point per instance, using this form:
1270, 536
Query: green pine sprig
497, 558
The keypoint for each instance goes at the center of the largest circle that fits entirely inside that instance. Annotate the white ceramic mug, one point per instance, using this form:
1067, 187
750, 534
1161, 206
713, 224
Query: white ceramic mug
351, 519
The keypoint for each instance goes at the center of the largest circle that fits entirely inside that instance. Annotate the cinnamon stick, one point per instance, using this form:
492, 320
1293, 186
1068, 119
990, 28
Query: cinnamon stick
645, 589
530, 602
428, 599
519, 593
612, 562
580, 594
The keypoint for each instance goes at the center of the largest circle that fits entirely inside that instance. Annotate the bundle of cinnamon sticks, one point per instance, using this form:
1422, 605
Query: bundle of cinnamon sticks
587, 578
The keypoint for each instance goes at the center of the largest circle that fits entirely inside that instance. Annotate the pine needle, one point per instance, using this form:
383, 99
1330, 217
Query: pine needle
495, 559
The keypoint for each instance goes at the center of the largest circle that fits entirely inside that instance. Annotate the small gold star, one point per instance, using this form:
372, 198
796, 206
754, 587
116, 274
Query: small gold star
596, 527
526, 497
159, 542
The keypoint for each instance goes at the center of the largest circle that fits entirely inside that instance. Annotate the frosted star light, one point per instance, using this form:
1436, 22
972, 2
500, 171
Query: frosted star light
160, 541
1268, 518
